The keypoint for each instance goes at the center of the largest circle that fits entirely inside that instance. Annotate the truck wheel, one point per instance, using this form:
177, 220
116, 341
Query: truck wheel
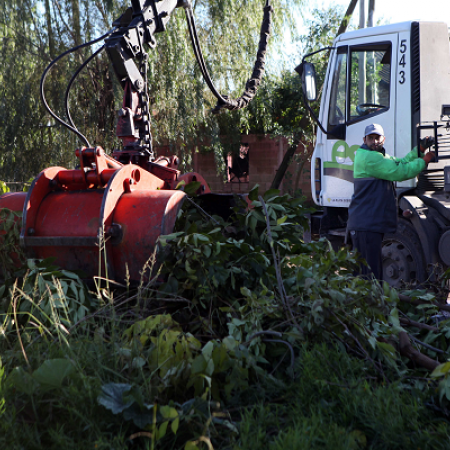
403, 260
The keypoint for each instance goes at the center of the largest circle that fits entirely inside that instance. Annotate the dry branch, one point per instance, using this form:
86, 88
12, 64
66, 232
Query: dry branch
406, 299
408, 322
406, 349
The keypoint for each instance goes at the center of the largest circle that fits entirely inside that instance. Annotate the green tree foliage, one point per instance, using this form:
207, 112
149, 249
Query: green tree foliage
278, 107
35, 32
229, 33
32, 34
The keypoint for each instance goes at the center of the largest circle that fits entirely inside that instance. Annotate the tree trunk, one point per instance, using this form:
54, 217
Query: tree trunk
285, 163
307, 155
76, 22
371, 13
362, 14
347, 17
51, 40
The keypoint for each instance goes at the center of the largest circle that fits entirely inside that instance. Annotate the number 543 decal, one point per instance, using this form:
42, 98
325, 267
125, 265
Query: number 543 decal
402, 61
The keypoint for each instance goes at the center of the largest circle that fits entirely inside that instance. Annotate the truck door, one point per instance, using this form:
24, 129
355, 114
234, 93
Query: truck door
360, 91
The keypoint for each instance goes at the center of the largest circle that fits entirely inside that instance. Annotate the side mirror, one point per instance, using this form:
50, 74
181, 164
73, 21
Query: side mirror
308, 74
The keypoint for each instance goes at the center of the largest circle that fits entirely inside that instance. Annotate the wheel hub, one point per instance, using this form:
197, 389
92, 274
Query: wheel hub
392, 271
398, 264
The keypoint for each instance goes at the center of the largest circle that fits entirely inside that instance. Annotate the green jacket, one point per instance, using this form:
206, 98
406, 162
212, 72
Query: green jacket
369, 163
374, 206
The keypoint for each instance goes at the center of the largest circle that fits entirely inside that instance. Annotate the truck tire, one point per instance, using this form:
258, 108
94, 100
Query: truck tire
403, 260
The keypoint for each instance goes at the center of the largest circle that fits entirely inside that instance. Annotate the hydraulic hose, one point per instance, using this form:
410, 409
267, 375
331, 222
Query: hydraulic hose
45, 74
253, 83
74, 76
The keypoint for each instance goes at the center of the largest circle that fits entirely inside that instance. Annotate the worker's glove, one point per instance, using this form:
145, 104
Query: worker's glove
429, 157
427, 142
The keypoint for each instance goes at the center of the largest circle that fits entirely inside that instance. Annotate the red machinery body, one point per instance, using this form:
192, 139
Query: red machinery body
104, 218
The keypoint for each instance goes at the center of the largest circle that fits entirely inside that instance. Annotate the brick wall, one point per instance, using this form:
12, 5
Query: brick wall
265, 156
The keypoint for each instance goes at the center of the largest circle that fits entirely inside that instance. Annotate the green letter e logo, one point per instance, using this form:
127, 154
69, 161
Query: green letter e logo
342, 151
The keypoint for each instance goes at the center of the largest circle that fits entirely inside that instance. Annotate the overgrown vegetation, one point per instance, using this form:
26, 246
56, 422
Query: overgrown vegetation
247, 337
34, 33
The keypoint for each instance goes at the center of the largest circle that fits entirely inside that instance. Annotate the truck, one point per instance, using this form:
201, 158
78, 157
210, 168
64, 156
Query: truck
398, 76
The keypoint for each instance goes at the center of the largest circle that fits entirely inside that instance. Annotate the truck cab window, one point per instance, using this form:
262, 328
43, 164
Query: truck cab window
370, 77
336, 115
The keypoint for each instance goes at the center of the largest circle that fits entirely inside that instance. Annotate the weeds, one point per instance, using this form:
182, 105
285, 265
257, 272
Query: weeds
229, 351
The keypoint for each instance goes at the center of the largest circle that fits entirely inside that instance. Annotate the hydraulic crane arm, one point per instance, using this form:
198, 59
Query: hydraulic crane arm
126, 51
125, 45
136, 27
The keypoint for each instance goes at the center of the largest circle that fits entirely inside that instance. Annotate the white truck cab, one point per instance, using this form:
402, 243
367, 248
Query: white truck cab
399, 77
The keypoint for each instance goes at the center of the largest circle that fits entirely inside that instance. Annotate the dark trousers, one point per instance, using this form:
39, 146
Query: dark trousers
368, 244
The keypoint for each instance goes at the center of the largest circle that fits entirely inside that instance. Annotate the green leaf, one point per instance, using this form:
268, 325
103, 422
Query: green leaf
112, 397
174, 425
209, 370
181, 184
359, 439
227, 424
394, 319
207, 350
252, 223
281, 220
70, 275
53, 372
140, 416
165, 239
271, 194
192, 188
246, 292
259, 216
441, 370
163, 429
198, 365
22, 381
202, 238
253, 194
190, 445
3, 187
388, 350
188, 268
230, 343
238, 322
168, 412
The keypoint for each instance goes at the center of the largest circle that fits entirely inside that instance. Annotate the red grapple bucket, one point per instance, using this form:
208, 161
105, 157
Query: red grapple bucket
110, 231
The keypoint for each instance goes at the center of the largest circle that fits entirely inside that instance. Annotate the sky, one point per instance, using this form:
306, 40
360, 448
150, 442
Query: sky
392, 11
386, 11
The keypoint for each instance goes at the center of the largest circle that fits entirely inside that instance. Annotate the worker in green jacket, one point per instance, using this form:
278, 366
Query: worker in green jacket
373, 208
